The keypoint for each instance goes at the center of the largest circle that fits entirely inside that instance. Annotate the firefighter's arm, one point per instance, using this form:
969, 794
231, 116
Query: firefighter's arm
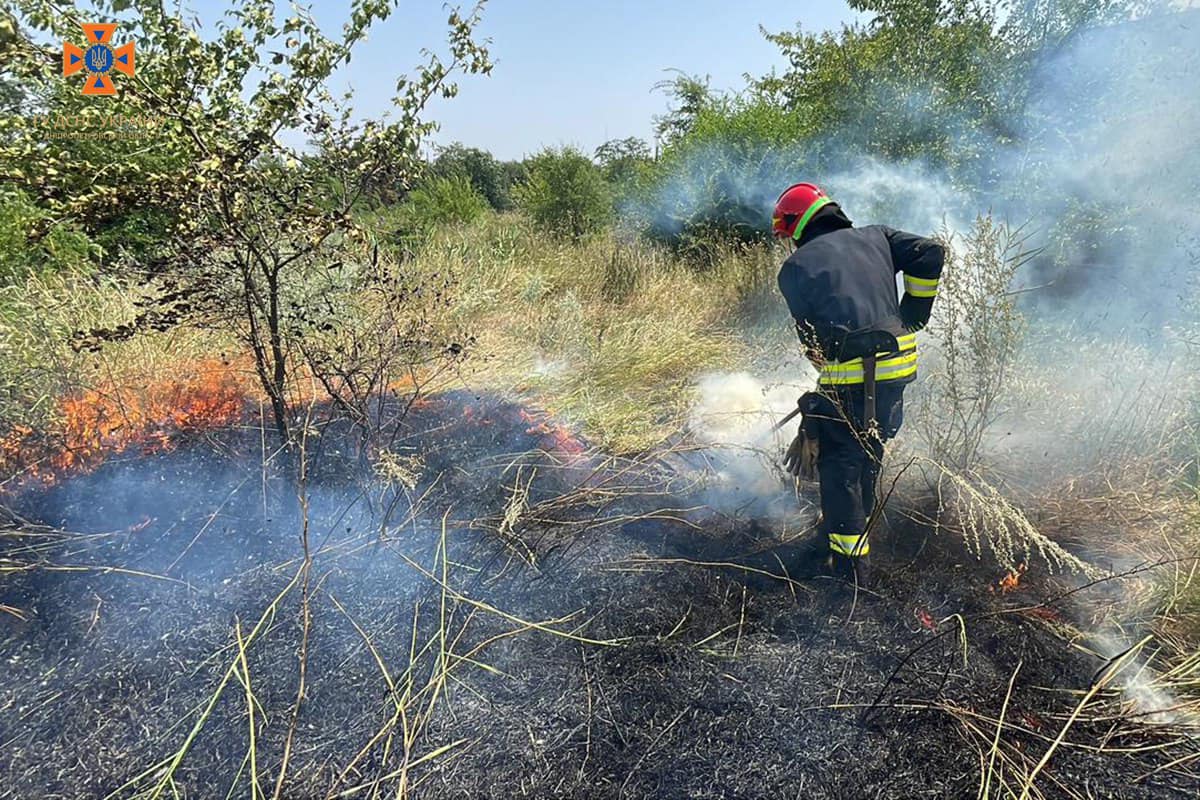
921, 260
798, 306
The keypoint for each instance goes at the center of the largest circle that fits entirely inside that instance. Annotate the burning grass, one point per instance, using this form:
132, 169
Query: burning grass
510, 610
111, 418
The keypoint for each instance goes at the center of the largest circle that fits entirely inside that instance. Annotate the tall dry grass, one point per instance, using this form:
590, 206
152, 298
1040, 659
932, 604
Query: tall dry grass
610, 332
41, 361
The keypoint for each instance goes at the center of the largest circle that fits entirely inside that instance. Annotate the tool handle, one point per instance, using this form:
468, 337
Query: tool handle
791, 416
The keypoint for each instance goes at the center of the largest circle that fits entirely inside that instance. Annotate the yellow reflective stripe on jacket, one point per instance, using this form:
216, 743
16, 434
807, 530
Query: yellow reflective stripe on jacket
849, 545
921, 287
889, 369
845, 373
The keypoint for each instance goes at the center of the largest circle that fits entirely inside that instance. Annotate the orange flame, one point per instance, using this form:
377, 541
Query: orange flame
1011, 581
925, 619
554, 436
109, 419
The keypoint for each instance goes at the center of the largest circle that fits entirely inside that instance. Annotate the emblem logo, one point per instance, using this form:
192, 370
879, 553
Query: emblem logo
99, 59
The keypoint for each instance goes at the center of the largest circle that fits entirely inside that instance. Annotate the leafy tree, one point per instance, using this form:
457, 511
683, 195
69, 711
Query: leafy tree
487, 175
918, 81
515, 174
689, 94
252, 216
1038, 26
621, 159
12, 98
566, 193
939, 82
628, 167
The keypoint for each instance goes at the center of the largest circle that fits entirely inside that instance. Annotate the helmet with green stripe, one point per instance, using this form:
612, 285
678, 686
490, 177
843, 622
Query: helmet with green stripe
795, 207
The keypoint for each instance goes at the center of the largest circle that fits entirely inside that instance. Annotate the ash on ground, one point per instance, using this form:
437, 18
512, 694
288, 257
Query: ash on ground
507, 612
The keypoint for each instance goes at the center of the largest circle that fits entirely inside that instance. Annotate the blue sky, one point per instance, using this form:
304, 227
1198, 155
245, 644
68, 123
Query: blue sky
569, 72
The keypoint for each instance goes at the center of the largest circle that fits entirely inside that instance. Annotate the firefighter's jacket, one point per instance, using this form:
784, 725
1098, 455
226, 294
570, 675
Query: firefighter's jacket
843, 282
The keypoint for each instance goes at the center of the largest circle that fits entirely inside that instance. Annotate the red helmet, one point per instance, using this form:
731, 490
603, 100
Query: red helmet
795, 207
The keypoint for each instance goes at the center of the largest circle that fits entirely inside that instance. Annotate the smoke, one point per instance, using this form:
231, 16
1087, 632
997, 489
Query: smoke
733, 416
1107, 173
1102, 177
906, 196
1143, 686
1098, 170
1097, 166
124, 618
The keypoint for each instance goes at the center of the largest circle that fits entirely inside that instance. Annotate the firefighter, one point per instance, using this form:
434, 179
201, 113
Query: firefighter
841, 288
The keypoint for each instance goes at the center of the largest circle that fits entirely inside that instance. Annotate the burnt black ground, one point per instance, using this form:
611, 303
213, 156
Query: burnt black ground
721, 682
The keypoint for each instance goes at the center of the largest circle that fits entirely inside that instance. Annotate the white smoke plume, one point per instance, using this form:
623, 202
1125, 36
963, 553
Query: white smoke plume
734, 415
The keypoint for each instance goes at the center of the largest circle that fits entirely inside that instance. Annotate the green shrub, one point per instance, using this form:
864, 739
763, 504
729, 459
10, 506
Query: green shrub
136, 234
441, 201
566, 193
714, 187
490, 178
30, 243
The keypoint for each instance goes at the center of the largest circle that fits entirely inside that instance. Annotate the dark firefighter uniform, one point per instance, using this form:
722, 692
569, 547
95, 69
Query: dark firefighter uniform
840, 282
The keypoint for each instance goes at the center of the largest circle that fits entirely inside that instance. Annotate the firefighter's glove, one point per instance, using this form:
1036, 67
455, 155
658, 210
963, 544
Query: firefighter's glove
801, 458
915, 311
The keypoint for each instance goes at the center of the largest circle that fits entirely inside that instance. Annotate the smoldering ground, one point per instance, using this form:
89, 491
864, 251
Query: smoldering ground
522, 615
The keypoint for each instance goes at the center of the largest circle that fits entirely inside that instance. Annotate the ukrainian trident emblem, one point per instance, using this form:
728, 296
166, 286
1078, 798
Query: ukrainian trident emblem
99, 59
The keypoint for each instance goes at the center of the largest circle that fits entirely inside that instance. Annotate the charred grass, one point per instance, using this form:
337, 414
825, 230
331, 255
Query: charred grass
530, 617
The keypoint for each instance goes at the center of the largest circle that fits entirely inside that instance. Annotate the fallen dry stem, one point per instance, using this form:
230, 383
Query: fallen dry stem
1114, 667
987, 782
544, 627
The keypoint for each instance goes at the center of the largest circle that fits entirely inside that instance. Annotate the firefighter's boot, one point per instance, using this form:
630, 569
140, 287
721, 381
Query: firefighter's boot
852, 569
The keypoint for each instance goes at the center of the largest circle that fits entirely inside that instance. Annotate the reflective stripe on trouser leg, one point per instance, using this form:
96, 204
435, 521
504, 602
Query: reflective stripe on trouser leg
849, 545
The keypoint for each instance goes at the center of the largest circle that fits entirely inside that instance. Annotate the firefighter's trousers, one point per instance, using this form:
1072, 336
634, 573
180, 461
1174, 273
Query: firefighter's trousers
850, 457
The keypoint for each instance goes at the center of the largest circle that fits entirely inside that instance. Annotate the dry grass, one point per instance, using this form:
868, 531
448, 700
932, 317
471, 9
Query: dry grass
446, 648
611, 336
989, 523
39, 366
608, 333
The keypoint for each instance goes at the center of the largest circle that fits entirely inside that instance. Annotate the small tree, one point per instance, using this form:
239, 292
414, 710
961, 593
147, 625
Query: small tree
252, 215
377, 349
566, 193
690, 94
620, 159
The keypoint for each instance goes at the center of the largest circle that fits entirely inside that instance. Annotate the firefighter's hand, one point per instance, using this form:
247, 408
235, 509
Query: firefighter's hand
915, 312
800, 460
